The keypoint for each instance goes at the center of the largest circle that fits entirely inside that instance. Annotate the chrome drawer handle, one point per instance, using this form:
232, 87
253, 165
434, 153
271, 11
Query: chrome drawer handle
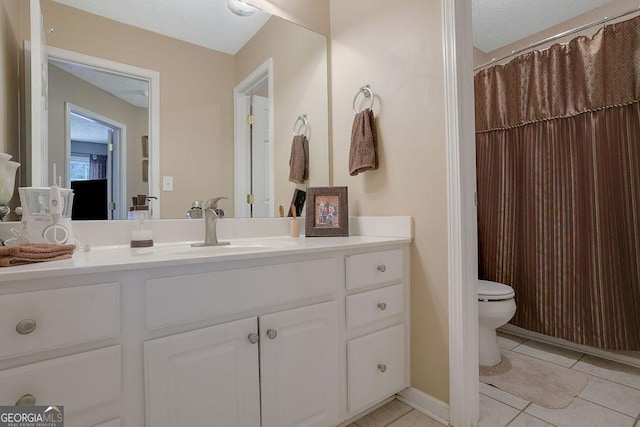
382, 306
382, 367
382, 268
26, 326
26, 400
253, 338
272, 333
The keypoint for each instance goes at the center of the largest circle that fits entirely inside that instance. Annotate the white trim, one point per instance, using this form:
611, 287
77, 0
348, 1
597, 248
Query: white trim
120, 150
559, 342
462, 238
153, 77
37, 150
428, 405
241, 135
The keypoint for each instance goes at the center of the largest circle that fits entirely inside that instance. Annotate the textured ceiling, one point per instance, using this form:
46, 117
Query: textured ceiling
497, 23
207, 23
86, 130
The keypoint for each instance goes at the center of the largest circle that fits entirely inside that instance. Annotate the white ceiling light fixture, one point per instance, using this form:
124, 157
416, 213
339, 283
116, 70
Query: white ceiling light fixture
241, 8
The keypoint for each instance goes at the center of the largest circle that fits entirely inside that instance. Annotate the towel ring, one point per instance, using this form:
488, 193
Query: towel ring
367, 92
305, 123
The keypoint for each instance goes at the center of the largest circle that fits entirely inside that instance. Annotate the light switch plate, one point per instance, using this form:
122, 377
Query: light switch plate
167, 183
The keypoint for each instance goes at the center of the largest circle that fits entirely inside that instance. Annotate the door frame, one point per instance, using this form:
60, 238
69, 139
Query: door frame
153, 77
119, 156
461, 209
242, 103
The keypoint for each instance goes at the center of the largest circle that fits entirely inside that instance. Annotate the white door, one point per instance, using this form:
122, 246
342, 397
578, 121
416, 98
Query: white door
203, 378
261, 158
299, 367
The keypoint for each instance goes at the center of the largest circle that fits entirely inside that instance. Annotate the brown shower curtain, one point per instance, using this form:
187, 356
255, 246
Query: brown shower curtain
558, 164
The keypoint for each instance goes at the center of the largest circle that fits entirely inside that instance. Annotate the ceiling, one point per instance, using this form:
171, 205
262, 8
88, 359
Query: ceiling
86, 130
207, 23
497, 23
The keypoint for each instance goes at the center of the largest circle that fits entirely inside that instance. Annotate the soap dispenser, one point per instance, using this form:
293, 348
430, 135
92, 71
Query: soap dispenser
139, 214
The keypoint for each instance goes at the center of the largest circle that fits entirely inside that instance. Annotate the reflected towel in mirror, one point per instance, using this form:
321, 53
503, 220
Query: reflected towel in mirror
299, 160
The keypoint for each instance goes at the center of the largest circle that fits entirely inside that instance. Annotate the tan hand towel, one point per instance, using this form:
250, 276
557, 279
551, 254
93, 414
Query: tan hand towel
34, 252
299, 160
363, 155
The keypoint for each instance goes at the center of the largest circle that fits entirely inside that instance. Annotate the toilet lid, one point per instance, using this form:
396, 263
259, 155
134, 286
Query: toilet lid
494, 291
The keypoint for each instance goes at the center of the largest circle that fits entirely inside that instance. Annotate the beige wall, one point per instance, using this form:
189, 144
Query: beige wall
479, 57
64, 87
10, 66
397, 48
196, 103
311, 14
300, 87
9, 76
609, 9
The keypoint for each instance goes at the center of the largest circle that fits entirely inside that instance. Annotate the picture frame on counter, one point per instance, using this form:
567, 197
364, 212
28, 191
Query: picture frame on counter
327, 212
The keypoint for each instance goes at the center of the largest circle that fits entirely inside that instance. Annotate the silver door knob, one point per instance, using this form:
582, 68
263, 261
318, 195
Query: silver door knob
382, 268
26, 400
272, 333
382, 367
253, 338
382, 306
26, 326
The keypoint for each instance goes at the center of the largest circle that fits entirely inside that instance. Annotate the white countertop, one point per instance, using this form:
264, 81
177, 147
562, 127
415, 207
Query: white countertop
122, 257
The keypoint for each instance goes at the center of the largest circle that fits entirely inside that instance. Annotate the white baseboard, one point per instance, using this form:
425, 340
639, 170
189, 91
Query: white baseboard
429, 405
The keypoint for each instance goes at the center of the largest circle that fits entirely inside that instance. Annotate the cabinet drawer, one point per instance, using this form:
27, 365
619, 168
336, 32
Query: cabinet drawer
61, 317
376, 365
177, 300
374, 305
75, 382
374, 268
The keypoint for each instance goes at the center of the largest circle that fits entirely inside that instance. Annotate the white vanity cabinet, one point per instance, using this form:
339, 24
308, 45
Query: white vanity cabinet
377, 321
309, 337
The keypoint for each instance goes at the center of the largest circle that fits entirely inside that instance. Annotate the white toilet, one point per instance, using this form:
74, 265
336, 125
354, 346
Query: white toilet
496, 307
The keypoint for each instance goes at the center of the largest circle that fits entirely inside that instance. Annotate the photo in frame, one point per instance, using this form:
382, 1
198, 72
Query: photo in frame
327, 212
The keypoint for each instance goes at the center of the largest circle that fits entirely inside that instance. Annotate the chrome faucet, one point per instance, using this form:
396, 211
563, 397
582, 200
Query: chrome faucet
211, 216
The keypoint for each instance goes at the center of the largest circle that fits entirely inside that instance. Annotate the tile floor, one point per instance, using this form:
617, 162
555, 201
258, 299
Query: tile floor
611, 398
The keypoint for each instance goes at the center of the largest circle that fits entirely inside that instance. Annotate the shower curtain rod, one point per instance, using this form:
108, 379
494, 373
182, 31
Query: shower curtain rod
559, 36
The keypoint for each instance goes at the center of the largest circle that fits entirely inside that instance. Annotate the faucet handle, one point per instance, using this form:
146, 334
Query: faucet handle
213, 203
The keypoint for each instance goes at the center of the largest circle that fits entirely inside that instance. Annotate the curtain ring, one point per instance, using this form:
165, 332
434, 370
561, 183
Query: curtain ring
367, 92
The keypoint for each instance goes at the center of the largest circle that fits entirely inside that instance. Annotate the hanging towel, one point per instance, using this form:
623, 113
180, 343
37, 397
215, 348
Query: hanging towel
363, 155
299, 160
34, 252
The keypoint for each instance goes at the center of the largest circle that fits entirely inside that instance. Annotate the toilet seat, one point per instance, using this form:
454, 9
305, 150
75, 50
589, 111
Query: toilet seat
493, 291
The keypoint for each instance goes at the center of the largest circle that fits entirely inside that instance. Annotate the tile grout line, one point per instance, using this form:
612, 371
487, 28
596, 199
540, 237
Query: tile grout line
602, 406
577, 361
608, 379
504, 403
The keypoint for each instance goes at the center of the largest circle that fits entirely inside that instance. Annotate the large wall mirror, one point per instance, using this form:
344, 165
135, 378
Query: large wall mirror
154, 98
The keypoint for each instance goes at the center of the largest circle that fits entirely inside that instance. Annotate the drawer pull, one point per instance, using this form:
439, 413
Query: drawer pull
26, 326
272, 333
382, 268
253, 338
26, 400
382, 367
382, 306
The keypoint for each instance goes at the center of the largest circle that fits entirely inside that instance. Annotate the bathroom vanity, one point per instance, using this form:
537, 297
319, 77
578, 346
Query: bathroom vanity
270, 332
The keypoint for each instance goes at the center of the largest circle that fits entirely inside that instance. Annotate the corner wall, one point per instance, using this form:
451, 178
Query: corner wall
396, 47
9, 77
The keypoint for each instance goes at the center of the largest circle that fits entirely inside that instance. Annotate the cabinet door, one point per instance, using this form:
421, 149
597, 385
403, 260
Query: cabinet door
204, 377
299, 367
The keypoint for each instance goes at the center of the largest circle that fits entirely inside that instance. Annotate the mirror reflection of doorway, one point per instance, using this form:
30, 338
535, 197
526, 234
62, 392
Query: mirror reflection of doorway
254, 168
94, 144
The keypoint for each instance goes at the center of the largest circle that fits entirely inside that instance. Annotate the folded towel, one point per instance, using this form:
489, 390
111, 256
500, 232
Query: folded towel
28, 253
299, 160
363, 155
